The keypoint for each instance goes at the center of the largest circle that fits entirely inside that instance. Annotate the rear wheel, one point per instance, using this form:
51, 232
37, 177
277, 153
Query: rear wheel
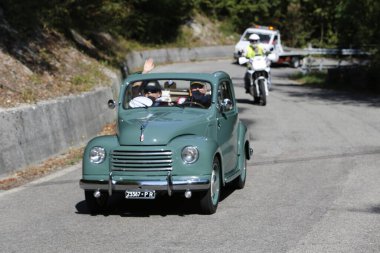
209, 201
239, 182
295, 62
96, 205
263, 94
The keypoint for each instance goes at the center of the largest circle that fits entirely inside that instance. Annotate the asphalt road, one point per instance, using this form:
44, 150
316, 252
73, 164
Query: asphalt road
313, 186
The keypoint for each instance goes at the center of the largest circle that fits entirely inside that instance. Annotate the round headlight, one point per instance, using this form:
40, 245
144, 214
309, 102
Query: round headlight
190, 154
97, 154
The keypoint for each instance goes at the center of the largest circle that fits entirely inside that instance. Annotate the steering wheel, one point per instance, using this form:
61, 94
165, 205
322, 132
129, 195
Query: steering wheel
193, 103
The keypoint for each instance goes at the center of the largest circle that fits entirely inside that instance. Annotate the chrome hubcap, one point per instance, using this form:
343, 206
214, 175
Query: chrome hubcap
215, 185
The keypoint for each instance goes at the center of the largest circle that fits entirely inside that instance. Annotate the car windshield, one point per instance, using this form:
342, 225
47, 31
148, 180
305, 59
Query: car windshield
167, 93
264, 38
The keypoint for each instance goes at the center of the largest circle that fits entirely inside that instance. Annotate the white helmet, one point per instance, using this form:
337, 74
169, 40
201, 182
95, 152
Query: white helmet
254, 37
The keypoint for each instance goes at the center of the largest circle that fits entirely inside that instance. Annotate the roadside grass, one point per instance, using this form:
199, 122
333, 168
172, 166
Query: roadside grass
28, 95
316, 79
88, 77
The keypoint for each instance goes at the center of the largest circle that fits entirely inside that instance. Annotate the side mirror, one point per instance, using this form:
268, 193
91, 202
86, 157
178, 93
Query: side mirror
111, 104
226, 105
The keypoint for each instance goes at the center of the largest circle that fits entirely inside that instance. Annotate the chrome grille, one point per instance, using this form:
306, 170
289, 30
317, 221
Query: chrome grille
155, 160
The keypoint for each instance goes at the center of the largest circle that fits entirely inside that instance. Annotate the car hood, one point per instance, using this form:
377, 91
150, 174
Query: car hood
148, 127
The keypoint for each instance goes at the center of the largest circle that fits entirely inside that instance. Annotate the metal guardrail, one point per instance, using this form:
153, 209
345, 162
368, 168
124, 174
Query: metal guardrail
325, 51
320, 64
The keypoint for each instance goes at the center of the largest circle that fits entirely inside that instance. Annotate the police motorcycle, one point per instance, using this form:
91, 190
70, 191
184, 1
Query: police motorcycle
259, 74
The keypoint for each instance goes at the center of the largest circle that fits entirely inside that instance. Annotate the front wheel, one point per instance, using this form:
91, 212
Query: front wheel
209, 201
96, 205
263, 94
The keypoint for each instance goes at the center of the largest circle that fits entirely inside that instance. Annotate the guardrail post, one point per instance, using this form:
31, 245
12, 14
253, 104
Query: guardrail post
320, 65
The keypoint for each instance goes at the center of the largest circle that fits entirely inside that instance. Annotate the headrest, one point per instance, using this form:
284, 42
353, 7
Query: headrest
151, 86
197, 84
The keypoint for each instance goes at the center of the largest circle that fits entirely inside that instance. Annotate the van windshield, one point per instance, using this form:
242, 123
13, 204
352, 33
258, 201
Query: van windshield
264, 38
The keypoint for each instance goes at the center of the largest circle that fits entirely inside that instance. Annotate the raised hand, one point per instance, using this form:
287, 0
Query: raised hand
148, 65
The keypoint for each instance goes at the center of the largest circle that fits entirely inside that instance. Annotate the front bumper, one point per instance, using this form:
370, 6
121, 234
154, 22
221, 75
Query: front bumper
169, 184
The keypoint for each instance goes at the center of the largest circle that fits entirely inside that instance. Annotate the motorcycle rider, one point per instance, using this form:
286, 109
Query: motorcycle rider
254, 49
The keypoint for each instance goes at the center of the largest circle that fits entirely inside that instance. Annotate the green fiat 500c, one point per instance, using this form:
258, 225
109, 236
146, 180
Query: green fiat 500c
177, 133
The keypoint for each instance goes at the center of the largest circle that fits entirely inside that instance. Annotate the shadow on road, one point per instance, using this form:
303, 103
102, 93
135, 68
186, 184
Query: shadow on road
328, 95
370, 209
162, 206
244, 101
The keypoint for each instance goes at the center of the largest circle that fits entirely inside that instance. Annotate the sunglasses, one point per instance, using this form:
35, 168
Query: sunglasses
152, 91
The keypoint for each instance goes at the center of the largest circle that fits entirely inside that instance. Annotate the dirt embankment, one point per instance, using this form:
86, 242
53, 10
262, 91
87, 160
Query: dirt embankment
39, 66
42, 65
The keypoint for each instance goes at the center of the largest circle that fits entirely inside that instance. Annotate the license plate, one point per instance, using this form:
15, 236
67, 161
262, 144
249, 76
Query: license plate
136, 194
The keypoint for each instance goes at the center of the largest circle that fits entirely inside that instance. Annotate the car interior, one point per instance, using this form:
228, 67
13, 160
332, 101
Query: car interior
171, 92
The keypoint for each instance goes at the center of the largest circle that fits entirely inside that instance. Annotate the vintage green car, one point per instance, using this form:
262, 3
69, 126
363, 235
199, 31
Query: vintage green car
177, 133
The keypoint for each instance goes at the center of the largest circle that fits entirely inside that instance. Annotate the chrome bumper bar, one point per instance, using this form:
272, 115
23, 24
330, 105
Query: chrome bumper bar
169, 185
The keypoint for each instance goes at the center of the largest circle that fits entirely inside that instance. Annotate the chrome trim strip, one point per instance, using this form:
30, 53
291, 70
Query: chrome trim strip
138, 153
141, 169
132, 161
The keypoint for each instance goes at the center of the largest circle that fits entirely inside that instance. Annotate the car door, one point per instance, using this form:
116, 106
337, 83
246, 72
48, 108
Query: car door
227, 124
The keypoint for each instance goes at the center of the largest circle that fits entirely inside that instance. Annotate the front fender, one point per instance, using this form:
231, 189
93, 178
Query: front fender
207, 149
108, 142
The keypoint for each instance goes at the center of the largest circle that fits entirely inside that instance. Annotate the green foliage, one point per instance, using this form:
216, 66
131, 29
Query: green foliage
102, 15
293, 30
242, 13
157, 21
323, 23
359, 23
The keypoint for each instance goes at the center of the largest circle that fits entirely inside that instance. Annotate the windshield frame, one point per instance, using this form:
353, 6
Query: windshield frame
170, 94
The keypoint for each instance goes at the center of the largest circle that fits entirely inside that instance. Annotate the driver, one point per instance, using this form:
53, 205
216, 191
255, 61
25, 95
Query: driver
198, 93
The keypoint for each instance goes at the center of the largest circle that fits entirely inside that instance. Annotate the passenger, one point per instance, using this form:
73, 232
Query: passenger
152, 91
149, 95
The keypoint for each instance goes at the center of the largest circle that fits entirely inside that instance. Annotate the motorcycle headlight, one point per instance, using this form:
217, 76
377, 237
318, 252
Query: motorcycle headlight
190, 154
97, 155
